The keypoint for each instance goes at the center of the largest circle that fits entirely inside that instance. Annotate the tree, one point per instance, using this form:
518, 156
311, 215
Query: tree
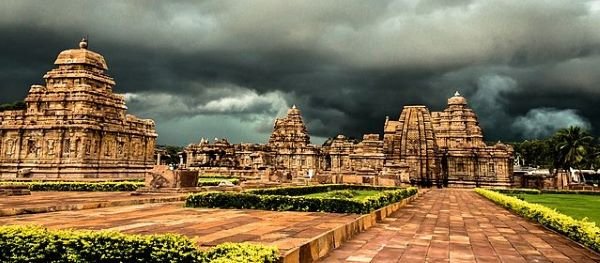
571, 146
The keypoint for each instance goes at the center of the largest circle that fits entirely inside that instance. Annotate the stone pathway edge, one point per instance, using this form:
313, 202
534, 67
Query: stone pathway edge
89, 205
320, 246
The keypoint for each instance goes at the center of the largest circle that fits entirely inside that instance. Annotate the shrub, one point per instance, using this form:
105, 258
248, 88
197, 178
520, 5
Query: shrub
38, 244
343, 194
581, 231
515, 191
79, 186
266, 199
216, 181
305, 190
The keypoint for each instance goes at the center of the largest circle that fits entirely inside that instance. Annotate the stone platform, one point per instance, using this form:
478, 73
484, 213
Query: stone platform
208, 227
42, 202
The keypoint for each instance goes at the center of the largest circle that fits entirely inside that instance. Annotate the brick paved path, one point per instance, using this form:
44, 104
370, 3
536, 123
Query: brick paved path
208, 227
454, 225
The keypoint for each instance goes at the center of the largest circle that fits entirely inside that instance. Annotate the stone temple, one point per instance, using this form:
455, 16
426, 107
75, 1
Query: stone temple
75, 127
426, 148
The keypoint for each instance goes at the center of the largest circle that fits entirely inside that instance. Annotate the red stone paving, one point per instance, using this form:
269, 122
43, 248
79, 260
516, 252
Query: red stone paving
208, 227
453, 225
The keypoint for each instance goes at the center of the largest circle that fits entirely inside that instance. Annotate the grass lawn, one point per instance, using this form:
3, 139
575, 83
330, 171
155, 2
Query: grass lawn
354, 194
576, 206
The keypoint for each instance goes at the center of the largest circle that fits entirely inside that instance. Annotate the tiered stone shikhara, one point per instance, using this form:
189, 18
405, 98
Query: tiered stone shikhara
75, 126
438, 148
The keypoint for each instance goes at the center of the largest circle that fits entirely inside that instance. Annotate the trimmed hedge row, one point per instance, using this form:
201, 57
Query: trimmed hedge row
38, 244
79, 186
305, 190
259, 199
513, 191
217, 182
581, 231
215, 176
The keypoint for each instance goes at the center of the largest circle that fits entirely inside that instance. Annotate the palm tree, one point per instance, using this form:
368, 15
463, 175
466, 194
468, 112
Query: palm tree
571, 147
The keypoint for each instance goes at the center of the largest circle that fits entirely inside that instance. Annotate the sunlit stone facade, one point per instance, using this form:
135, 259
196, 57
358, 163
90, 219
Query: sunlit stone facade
421, 147
75, 127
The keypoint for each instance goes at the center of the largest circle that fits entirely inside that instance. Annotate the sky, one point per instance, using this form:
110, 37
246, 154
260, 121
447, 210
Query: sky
228, 68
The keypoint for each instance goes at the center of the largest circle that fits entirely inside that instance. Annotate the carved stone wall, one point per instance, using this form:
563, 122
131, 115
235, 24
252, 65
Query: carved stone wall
444, 148
74, 126
466, 159
411, 140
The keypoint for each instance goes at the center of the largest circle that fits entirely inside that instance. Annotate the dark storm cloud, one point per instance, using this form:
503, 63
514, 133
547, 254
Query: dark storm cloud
227, 68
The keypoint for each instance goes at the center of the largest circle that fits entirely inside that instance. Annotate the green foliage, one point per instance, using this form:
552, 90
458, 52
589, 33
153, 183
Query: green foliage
343, 194
581, 231
18, 105
171, 153
569, 147
514, 191
37, 244
305, 190
214, 181
572, 145
535, 152
236, 252
78, 186
276, 199
214, 176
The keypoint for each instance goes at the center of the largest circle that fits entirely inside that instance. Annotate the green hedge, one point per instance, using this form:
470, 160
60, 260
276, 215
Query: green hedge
215, 176
513, 191
38, 244
265, 199
79, 186
581, 231
305, 190
216, 182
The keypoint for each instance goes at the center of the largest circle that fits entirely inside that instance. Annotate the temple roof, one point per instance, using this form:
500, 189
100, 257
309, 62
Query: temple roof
81, 56
457, 99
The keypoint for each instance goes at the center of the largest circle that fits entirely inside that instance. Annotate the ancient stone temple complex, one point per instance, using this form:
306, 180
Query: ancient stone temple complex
74, 126
421, 147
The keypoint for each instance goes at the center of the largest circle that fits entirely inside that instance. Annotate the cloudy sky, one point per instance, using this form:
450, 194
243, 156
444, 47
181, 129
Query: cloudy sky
228, 68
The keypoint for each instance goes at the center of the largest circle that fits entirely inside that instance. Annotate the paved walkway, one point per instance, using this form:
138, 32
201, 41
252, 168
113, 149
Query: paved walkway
454, 225
208, 227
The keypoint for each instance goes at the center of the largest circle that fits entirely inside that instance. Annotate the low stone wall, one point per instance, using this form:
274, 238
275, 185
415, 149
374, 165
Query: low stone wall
321, 245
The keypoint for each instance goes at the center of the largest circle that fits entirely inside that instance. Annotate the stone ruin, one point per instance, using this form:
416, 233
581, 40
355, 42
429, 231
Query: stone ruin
75, 127
420, 148
163, 178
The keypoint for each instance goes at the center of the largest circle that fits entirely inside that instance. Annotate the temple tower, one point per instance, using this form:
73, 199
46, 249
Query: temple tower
290, 132
466, 160
74, 126
411, 140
